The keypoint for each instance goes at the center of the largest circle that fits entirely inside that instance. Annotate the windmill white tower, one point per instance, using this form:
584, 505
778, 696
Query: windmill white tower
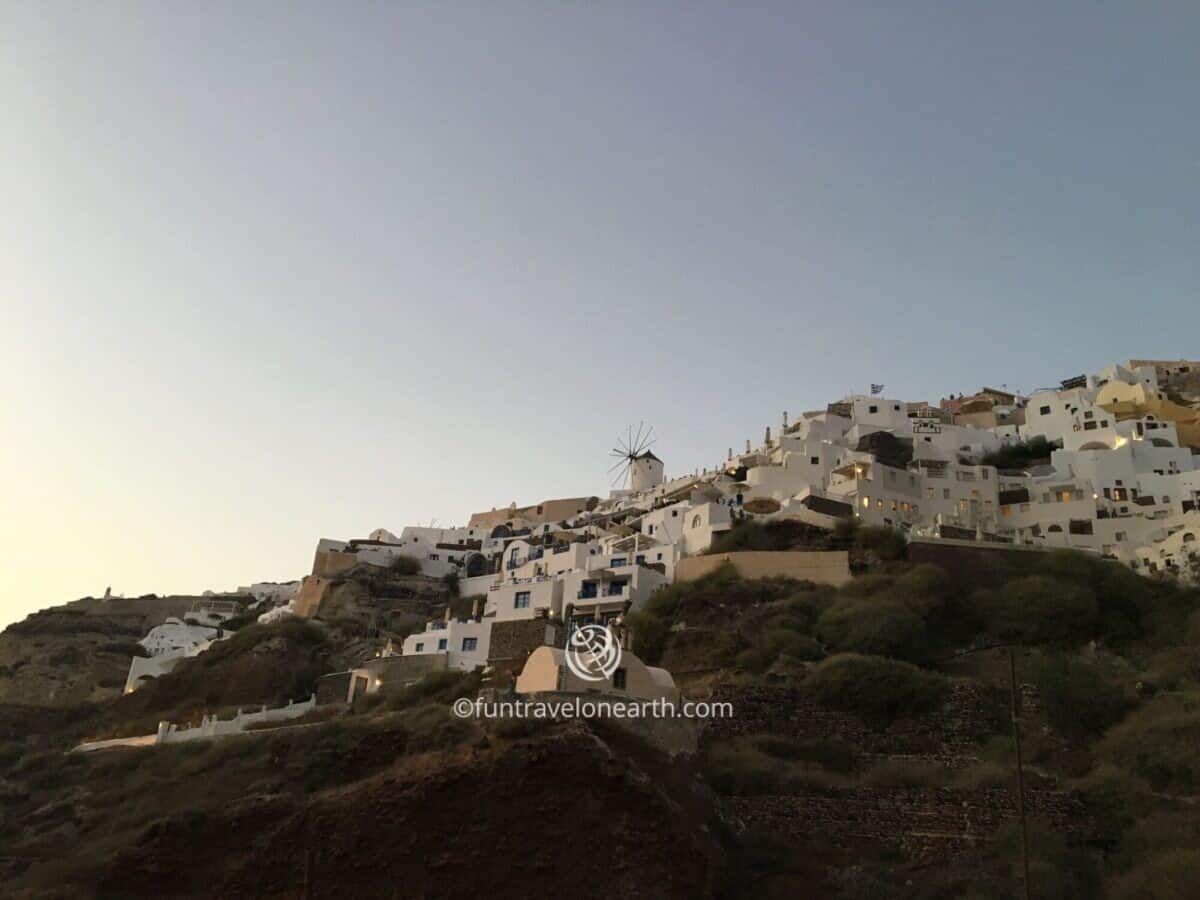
636, 466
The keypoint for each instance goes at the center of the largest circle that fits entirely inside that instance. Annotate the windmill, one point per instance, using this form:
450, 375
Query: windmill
627, 452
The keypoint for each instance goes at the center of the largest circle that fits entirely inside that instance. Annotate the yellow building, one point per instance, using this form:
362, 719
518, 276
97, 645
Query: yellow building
1137, 401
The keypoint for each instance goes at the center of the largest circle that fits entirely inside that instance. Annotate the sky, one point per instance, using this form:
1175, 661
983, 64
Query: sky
274, 272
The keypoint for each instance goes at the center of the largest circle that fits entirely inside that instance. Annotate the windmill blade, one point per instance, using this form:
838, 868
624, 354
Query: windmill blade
637, 440
620, 462
646, 441
620, 479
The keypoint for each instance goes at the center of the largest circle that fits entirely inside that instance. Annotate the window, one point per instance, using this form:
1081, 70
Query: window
695, 521
618, 561
521, 600
616, 588
945, 493
1045, 410
619, 679
420, 648
441, 643
640, 559
873, 409
815, 460
470, 644
866, 501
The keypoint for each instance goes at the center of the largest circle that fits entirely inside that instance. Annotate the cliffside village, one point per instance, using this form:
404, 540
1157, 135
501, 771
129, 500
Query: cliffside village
1122, 480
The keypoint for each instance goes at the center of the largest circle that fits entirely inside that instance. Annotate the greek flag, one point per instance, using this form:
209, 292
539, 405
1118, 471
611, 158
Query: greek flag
876, 389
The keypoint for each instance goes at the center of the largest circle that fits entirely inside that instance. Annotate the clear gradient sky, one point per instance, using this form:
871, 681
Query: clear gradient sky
277, 271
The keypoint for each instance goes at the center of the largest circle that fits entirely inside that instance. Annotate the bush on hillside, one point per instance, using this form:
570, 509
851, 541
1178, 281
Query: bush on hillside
405, 565
1020, 455
1158, 742
1083, 694
746, 534
1057, 869
887, 543
776, 643
650, 633
923, 589
876, 628
1173, 670
1170, 827
1173, 875
874, 686
1038, 609
1114, 797
744, 766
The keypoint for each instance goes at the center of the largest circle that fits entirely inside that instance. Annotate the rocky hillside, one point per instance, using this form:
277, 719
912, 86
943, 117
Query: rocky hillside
79, 652
870, 755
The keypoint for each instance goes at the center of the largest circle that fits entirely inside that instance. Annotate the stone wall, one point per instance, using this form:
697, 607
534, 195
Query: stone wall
820, 566
397, 672
950, 736
512, 642
923, 824
333, 688
312, 591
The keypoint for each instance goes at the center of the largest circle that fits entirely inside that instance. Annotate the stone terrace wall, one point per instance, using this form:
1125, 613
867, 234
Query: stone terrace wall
515, 640
820, 566
948, 737
924, 824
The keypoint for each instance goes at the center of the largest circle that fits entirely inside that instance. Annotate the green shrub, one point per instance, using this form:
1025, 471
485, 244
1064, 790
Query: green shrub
739, 767
875, 687
1158, 743
432, 726
436, 687
831, 754
886, 543
783, 642
1056, 869
1173, 875
1082, 694
1039, 609
1114, 797
903, 773
744, 535
405, 565
924, 590
1155, 832
1020, 455
650, 633
1173, 670
874, 627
